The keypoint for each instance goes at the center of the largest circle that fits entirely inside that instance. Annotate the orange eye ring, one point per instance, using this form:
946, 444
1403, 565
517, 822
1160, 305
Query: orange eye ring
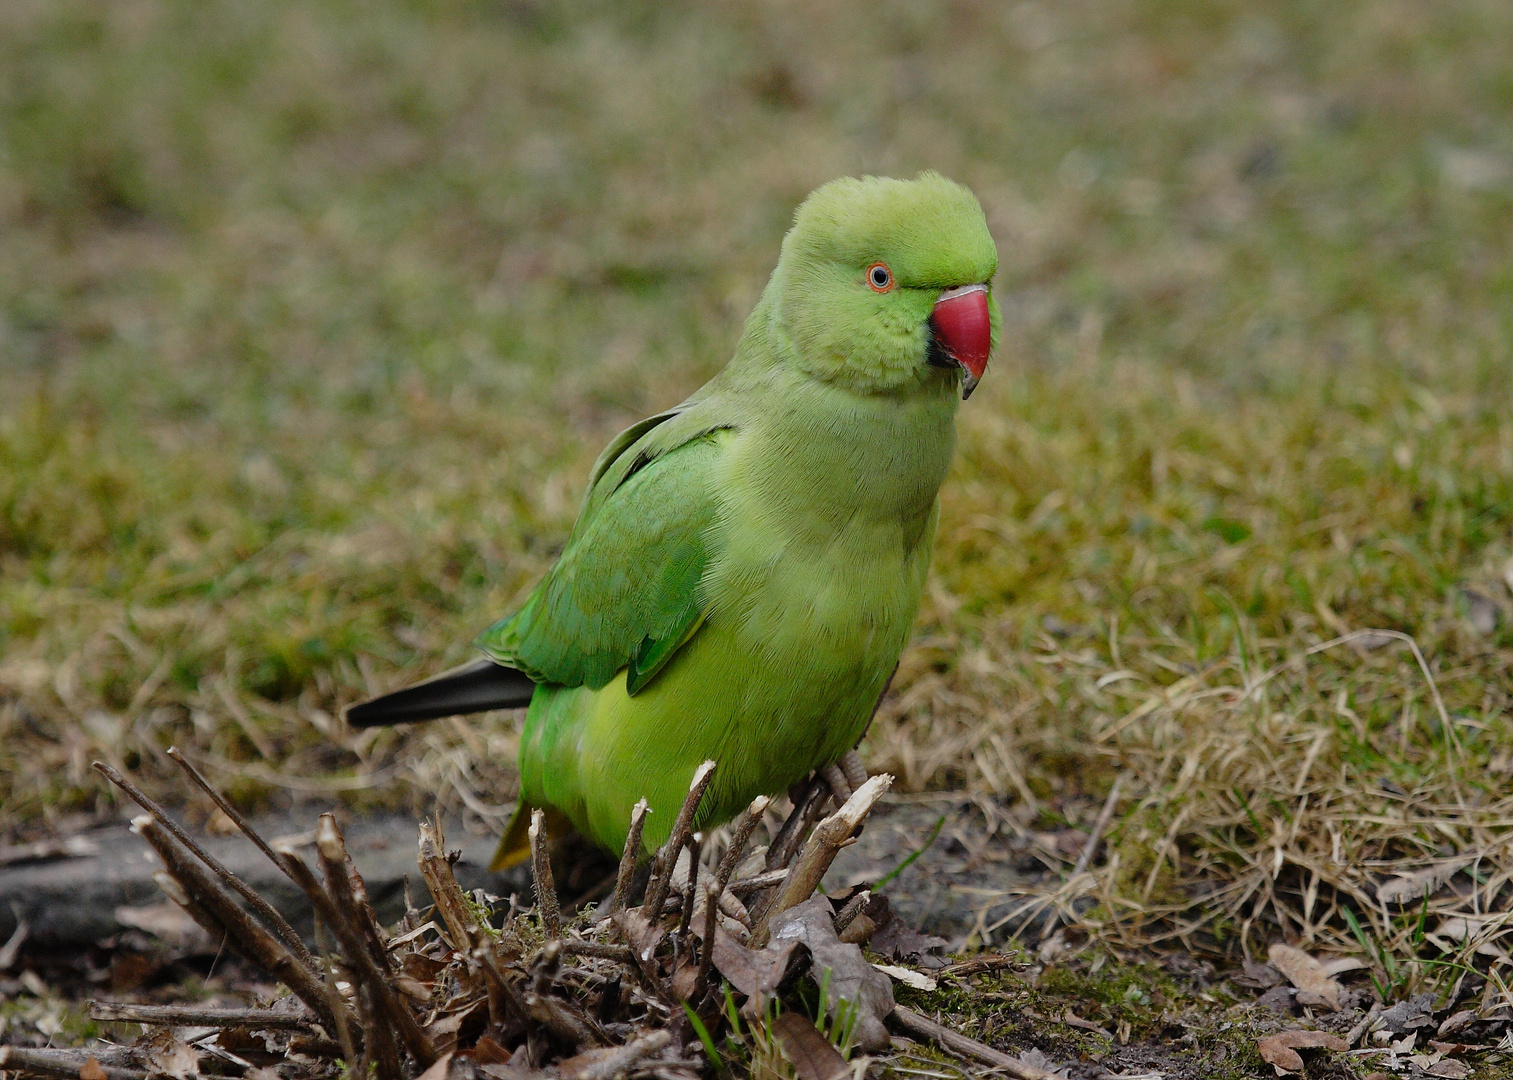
879, 278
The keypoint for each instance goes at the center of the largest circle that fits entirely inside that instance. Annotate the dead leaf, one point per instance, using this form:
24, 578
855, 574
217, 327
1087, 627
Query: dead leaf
1463, 929
92, 1070
894, 938
167, 922
1071, 1019
489, 1052
1342, 964
1456, 1047
840, 966
1315, 987
411, 987
517, 1068
1457, 1022
899, 941
643, 936
1281, 1049
1455, 1070
168, 1056
1036, 1058
1411, 888
583, 1064
683, 980
447, 1025
1409, 1015
754, 972
1279, 999
908, 977
860, 931
422, 968
438, 1069
220, 824
443, 1032
1258, 976
812, 1055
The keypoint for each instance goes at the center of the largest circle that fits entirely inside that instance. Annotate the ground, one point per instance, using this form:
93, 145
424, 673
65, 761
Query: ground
313, 318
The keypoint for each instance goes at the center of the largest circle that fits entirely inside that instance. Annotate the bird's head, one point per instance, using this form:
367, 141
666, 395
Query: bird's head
886, 285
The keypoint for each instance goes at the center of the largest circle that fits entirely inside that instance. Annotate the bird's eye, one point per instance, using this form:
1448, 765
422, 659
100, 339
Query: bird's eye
879, 277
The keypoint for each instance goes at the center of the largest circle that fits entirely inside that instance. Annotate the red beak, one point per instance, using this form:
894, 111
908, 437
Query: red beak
962, 325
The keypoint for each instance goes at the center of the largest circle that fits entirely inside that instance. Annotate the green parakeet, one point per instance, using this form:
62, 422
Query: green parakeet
747, 567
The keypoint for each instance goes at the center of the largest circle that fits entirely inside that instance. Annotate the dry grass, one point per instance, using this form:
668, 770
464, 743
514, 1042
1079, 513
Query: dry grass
313, 317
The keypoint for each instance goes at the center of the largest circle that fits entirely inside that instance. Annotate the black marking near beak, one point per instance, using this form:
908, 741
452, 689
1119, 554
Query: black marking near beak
936, 355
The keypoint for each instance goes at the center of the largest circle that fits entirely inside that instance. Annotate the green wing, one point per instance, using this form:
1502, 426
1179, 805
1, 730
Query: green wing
625, 593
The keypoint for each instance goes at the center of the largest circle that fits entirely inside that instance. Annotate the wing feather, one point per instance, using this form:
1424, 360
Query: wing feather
625, 592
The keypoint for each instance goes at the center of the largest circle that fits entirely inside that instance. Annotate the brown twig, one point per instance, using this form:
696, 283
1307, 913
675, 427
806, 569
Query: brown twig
347, 889
623, 1061
1364, 1026
261, 906
343, 1032
66, 1063
192, 1016
375, 979
546, 885
757, 882
791, 833
628, 858
980, 964
739, 839
598, 950
667, 857
248, 936
923, 1027
351, 919
225, 807
706, 951
462, 925
846, 915
690, 887
559, 1017
174, 891
505, 1002
824, 843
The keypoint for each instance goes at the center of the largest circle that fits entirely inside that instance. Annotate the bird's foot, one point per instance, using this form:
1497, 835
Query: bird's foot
840, 787
856, 772
845, 776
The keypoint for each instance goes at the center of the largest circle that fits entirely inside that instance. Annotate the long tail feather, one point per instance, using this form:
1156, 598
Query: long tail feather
474, 687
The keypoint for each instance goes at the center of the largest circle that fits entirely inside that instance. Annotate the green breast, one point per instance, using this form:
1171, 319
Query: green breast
812, 596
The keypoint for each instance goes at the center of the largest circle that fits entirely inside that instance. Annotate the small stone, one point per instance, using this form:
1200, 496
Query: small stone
1280, 999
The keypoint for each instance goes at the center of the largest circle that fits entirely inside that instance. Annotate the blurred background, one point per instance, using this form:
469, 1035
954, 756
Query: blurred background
313, 317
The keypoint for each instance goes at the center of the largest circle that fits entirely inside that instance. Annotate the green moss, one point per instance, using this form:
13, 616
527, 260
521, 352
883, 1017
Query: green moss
1143, 1010
314, 317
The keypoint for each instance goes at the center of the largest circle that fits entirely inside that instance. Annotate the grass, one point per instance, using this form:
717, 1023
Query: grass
313, 318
